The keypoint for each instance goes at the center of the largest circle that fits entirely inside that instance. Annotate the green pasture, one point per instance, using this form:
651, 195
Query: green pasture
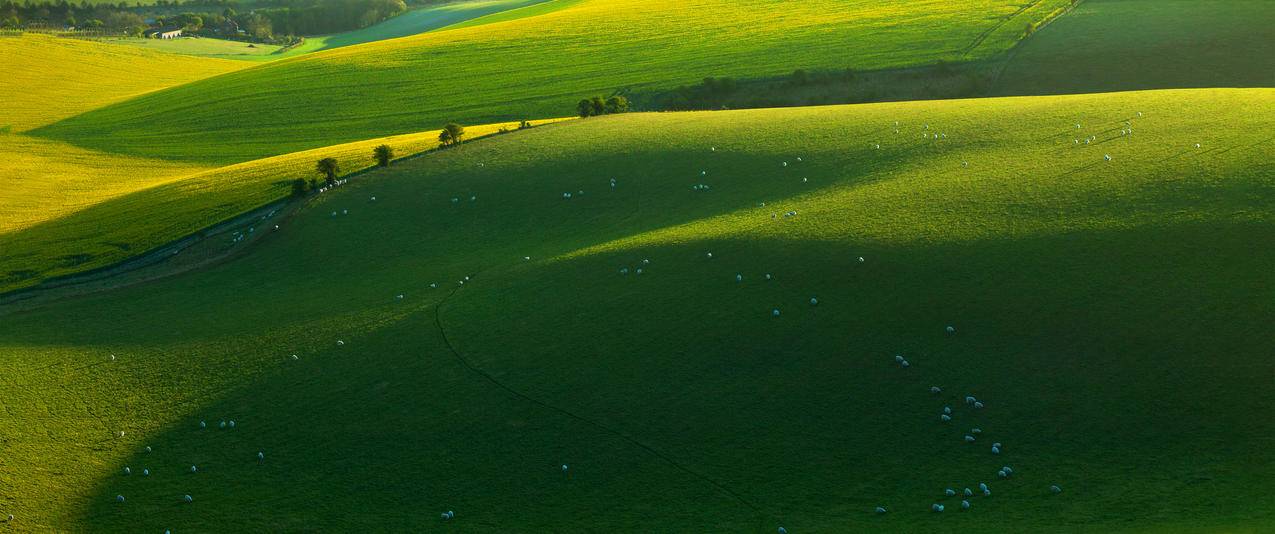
1113, 316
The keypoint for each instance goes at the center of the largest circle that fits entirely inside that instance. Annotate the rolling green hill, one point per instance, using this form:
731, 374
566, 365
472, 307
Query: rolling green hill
1111, 314
536, 67
1122, 45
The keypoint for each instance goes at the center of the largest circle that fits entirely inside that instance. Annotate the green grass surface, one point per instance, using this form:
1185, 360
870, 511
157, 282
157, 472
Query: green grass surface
1113, 315
1121, 45
532, 67
72, 210
411, 23
202, 46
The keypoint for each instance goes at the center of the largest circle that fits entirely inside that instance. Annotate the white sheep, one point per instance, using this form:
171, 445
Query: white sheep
945, 417
969, 399
261, 456
951, 329
978, 404
739, 278
148, 449
565, 468
768, 276
203, 424
860, 259
785, 163
1053, 489
898, 358
969, 438
880, 510
340, 343
935, 390
710, 255
127, 471
976, 431
814, 301
783, 530
1107, 157
193, 469
1197, 145
949, 492
968, 492
187, 498
937, 507
119, 498
982, 486
146, 472
965, 505
947, 410
905, 364
232, 423
996, 450
775, 312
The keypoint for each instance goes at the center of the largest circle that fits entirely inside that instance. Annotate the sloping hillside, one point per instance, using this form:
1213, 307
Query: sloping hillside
534, 67
461, 330
47, 79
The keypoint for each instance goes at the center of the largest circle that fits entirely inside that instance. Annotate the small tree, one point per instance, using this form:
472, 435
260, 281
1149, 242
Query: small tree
329, 168
383, 155
617, 104
584, 108
452, 134
597, 106
300, 187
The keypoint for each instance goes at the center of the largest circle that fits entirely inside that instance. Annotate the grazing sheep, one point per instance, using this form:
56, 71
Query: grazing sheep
947, 410
624, 270
203, 424
646, 262
785, 163
261, 456
937, 507
969, 438
945, 418
1106, 157
1197, 145
978, 404
1052, 489
814, 301
860, 259
127, 471
340, 343
951, 330
996, 450
443, 516
1002, 474
146, 472
639, 271
451, 514
193, 469
965, 505
739, 278
148, 449
10, 517
775, 312
119, 498
1007, 470
768, 276
982, 486
187, 498
232, 423
112, 357
949, 492
434, 285
935, 390
905, 364
805, 180
969, 399
987, 493
997, 444
710, 255
783, 530
121, 433
564, 468
898, 358
968, 492
221, 424
976, 431
879, 510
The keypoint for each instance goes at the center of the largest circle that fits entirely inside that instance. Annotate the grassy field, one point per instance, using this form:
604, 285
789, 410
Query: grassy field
591, 47
90, 75
76, 210
201, 46
1122, 45
1113, 316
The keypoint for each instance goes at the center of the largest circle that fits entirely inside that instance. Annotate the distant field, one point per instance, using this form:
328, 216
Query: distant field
47, 79
535, 67
411, 23
1113, 316
1121, 45
200, 46
71, 210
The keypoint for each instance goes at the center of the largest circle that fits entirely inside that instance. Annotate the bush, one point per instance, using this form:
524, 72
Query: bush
383, 155
452, 134
617, 104
300, 187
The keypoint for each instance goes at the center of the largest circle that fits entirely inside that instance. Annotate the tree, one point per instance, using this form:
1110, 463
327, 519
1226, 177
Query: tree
617, 104
329, 168
597, 106
451, 134
584, 108
300, 187
383, 155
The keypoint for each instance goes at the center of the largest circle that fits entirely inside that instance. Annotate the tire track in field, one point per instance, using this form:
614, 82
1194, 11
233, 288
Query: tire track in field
615, 432
719, 486
988, 32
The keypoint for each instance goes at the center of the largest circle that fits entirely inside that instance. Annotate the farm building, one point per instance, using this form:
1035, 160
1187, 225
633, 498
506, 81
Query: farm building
164, 33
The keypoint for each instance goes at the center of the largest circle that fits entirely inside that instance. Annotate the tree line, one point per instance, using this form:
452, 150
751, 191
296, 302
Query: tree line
273, 21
